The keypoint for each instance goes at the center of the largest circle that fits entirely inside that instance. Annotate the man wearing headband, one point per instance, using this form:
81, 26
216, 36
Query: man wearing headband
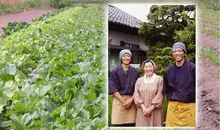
179, 86
121, 86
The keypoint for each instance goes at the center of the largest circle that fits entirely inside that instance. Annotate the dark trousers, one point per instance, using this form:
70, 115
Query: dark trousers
125, 125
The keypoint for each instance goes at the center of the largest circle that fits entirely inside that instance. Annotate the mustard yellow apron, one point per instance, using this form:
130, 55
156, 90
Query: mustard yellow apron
120, 115
181, 114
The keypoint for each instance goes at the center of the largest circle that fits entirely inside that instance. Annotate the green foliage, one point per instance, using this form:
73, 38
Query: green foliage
14, 27
207, 13
109, 109
22, 5
210, 32
162, 57
187, 36
164, 21
165, 106
60, 3
52, 73
169, 24
48, 15
211, 4
26, 4
210, 54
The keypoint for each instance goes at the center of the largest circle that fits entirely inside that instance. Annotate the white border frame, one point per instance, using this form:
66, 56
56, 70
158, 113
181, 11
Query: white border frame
196, 63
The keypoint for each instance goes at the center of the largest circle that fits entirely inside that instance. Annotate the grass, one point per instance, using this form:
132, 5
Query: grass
208, 14
109, 109
211, 55
26, 4
210, 21
210, 32
22, 5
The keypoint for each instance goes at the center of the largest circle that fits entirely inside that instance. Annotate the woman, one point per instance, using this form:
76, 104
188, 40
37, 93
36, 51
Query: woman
148, 97
121, 86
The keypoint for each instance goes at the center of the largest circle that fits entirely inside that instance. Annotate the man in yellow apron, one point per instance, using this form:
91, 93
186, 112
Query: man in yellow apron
179, 86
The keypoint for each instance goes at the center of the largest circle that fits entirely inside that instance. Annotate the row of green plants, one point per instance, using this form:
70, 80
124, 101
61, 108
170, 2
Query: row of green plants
210, 32
209, 14
17, 26
211, 55
26, 4
52, 73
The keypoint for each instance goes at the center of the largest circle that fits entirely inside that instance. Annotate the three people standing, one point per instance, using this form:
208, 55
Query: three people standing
139, 100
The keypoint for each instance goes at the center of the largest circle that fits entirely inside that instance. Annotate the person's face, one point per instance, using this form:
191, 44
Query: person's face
148, 68
178, 55
126, 58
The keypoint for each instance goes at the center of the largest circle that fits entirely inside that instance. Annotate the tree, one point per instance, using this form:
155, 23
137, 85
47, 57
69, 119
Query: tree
169, 24
187, 36
164, 21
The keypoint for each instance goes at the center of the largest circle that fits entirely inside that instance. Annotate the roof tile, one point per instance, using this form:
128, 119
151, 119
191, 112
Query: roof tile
115, 15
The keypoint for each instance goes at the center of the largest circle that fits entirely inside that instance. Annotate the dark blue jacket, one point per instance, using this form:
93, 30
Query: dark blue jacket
123, 82
182, 86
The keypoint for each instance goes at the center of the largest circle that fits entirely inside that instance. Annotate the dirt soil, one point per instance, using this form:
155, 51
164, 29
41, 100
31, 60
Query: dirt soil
209, 42
211, 26
25, 16
208, 95
208, 88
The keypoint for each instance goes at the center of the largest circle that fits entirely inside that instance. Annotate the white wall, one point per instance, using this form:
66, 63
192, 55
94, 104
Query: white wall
142, 44
128, 38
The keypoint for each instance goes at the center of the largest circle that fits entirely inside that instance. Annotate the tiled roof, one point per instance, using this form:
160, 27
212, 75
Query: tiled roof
115, 15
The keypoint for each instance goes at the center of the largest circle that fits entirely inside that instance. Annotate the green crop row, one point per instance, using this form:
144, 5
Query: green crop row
210, 32
211, 55
20, 5
52, 73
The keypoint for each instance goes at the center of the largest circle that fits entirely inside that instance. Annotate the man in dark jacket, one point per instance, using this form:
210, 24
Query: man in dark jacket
179, 86
121, 86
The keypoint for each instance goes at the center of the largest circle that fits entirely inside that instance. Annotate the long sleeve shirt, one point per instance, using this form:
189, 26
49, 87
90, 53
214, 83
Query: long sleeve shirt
123, 82
179, 83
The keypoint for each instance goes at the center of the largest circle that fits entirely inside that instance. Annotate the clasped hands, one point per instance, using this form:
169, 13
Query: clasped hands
147, 111
127, 103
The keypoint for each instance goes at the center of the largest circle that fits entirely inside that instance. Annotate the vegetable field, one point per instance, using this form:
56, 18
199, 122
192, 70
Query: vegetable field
52, 73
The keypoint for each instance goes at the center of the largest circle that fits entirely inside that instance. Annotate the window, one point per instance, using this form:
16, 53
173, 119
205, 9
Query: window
129, 45
135, 57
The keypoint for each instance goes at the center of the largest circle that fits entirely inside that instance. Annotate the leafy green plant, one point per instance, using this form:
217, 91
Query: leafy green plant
14, 27
52, 73
164, 21
187, 36
162, 57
